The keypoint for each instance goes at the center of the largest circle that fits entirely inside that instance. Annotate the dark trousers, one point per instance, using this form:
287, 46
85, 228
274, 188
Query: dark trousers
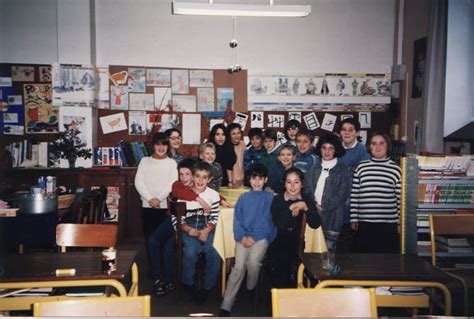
345, 241
151, 219
377, 238
281, 256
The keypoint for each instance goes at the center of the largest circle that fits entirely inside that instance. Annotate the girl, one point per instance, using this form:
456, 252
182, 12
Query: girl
291, 129
225, 154
174, 135
375, 199
328, 183
287, 211
234, 131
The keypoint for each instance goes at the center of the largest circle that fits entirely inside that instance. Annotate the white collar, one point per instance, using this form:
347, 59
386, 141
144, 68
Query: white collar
327, 165
352, 146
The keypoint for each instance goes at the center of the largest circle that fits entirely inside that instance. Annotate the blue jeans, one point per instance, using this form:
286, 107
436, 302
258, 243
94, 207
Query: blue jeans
192, 248
162, 248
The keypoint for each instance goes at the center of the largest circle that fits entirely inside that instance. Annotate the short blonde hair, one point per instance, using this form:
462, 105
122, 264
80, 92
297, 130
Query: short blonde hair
203, 147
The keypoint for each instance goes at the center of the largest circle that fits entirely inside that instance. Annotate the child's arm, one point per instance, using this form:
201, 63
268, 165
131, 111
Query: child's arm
180, 191
193, 232
313, 218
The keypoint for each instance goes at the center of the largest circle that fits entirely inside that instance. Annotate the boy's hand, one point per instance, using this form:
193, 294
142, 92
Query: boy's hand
154, 202
354, 226
225, 204
193, 232
205, 206
203, 234
319, 208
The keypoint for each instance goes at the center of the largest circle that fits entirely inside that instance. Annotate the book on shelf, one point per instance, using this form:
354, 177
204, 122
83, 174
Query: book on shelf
448, 163
464, 265
451, 249
453, 241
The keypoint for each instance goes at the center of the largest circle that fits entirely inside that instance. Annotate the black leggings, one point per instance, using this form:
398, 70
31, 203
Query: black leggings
377, 238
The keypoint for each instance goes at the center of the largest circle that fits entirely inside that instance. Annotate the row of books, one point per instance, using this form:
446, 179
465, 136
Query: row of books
446, 193
453, 244
24, 152
447, 163
131, 152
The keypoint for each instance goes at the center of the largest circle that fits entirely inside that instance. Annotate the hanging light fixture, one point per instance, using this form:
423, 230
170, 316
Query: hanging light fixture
244, 10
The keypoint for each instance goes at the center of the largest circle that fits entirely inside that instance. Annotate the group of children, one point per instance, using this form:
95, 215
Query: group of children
287, 181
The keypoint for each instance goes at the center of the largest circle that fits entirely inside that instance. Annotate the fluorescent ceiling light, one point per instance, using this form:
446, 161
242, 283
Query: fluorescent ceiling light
246, 10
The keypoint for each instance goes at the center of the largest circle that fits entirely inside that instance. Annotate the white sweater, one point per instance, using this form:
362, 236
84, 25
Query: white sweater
154, 179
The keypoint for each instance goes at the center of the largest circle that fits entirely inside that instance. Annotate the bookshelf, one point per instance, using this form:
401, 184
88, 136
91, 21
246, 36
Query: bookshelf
432, 185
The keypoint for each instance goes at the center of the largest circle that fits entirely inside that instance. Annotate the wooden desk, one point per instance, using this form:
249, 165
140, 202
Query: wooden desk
37, 271
377, 270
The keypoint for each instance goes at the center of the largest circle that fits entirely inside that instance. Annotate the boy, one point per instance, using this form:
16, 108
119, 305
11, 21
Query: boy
286, 157
305, 156
269, 156
207, 154
355, 153
254, 152
197, 230
253, 232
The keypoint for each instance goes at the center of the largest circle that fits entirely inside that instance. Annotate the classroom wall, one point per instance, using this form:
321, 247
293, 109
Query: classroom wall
339, 36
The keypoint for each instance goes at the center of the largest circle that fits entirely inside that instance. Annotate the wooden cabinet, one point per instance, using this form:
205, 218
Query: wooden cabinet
129, 220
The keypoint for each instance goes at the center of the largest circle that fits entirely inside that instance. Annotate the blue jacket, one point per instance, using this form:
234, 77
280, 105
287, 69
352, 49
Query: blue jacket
275, 178
354, 155
251, 156
304, 161
252, 216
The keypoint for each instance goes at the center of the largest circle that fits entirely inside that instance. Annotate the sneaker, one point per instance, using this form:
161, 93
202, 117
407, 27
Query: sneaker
158, 287
223, 313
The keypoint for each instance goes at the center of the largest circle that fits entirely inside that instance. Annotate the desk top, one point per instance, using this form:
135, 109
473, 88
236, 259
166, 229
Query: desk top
41, 266
376, 267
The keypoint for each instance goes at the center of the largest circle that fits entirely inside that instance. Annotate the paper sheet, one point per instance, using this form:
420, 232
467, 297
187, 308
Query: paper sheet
191, 128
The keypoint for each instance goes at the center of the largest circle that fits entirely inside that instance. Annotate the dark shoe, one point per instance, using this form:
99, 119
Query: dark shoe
201, 296
158, 287
189, 292
223, 313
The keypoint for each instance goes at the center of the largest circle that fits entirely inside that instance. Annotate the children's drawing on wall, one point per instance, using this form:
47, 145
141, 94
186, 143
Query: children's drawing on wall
241, 118
281, 139
113, 123
310, 87
346, 116
73, 85
23, 73
184, 103
5, 81
311, 121
340, 86
383, 88
294, 116
355, 85
225, 99
169, 121
282, 86
276, 120
419, 65
158, 77
15, 100
366, 89
180, 82
205, 99
136, 79
329, 121
257, 86
324, 87
141, 101
102, 97
256, 119
10, 118
365, 119
163, 100
137, 123
153, 123
296, 87
119, 97
201, 78
41, 116
13, 129
75, 123
119, 78
45, 74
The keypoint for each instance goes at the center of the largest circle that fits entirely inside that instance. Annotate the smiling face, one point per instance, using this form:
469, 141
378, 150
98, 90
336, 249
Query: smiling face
186, 176
200, 178
286, 157
256, 142
160, 151
348, 134
219, 138
303, 143
257, 182
235, 135
378, 147
175, 140
293, 184
327, 151
208, 156
269, 144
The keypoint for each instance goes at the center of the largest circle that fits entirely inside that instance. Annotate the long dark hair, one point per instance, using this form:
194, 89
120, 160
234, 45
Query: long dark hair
212, 133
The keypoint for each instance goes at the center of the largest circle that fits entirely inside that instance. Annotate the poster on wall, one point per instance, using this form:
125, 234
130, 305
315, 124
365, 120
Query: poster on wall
180, 81
225, 99
205, 97
294, 92
113, 123
184, 103
201, 78
137, 123
74, 85
141, 101
158, 77
136, 79
119, 97
102, 96
163, 99
41, 116
23, 73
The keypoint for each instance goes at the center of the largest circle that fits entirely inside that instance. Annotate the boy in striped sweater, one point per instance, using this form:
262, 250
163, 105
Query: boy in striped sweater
375, 200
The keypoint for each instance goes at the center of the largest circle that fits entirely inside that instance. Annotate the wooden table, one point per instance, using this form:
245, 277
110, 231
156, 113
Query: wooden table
38, 271
377, 270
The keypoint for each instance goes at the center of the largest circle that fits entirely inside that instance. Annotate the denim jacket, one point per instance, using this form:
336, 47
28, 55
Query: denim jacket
337, 189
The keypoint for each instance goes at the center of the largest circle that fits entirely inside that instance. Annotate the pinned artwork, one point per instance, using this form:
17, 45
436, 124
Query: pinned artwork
256, 119
141, 101
191, 129
163, 100
205, 99
119, 97
225, 99
169, 121
5, 81
365, 119
74, 85
10, 118
241, 118
137, 123
45, 74
201, 78
294, 116
329, 121
346, 116
23, 73
119, 78
180, 82
363, 137
213, 122
102, 97
13, 129
15, 100
276, 120
153, 123
41, 116
158, 77
136, 80
311, 121
113, 123
281, 139
184, 103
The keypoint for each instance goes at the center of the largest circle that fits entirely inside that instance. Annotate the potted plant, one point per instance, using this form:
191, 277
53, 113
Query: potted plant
70, 146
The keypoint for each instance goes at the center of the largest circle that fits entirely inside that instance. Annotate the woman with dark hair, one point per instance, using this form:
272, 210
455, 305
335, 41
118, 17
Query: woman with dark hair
176, 140
234, 135
225, 154
328, 183
375, 199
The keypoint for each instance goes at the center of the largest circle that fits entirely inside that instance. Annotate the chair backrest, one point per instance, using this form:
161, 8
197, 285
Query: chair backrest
178, 209
97, 307
328, 302
449, 224
86, 235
